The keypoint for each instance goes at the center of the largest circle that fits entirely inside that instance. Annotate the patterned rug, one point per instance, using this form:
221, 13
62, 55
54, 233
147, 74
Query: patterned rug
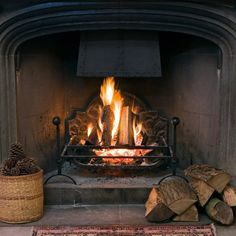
159, 230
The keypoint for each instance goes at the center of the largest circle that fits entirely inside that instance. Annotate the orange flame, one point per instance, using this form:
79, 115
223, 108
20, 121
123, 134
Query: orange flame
137, 132
107, 90
116, 108
100, 126
89, 129
111, 96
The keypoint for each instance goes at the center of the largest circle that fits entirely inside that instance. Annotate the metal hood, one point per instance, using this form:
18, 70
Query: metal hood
119, 53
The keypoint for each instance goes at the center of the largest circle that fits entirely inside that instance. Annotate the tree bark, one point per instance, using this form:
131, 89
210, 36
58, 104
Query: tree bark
177, 194
219, 211
216, 178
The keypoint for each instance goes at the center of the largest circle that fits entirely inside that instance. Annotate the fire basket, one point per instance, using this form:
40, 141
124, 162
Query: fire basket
117, 131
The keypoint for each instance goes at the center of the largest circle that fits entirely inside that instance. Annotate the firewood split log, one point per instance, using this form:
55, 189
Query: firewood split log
172, 196
177, 194
156, 210
229, 195
219, 211
191, 214
126, 130
107, 121
202, 189
216, 178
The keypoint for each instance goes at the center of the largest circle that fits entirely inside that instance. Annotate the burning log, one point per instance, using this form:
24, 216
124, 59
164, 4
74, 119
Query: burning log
219, 211
126, 131
216, 178
156, 210
191, 214
107, 122
92, 138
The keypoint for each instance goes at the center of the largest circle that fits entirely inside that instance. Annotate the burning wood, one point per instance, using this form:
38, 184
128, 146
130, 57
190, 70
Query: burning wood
107, 124
92, 135
116, 123
126, 132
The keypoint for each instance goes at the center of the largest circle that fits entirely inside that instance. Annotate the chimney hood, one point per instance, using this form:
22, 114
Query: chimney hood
119, 53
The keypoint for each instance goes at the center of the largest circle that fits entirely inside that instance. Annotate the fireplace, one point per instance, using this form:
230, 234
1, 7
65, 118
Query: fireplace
117, 131
39, 78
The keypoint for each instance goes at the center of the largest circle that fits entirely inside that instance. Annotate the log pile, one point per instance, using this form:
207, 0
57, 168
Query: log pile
173, 196
206, 188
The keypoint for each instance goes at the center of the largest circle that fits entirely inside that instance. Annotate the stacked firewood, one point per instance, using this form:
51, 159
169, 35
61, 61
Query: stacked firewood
18, 163
206, 188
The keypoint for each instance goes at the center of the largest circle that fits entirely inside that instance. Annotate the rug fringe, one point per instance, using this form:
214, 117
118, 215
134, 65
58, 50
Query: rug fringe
214, 228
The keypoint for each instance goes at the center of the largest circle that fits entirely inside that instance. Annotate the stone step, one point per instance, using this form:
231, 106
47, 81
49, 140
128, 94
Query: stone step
92, 189
69, 194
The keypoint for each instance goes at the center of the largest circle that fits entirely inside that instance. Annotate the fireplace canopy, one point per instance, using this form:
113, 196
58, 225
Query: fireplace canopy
119, 53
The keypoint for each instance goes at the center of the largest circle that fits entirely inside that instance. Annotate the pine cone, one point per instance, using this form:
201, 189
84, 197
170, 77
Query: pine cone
2, 172
16, 151
6, 171
15, 171
27, 166
18, 163
9, 163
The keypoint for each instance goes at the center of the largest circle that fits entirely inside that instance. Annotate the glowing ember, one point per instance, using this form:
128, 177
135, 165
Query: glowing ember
121, 152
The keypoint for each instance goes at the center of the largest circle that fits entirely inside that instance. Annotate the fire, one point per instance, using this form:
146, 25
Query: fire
100, 126
111, 97
89, 129
138, 138
107, 91
116, 108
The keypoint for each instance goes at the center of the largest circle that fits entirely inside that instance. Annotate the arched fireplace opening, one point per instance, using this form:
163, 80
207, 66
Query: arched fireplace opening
210, 119
47, 86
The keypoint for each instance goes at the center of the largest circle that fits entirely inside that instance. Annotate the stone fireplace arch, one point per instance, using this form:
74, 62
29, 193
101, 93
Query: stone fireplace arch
210, 22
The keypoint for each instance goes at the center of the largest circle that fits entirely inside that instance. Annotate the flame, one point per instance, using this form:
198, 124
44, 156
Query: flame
89, 129
107, 90
116, 108
100, 126
111, 96
137, 133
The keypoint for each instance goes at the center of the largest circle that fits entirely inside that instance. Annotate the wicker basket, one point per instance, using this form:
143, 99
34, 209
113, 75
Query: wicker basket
21, 198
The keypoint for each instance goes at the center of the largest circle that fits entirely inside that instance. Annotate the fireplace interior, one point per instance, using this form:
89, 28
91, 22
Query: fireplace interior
48, 85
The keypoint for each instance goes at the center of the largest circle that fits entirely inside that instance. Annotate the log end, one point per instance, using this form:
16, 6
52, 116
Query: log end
220, 212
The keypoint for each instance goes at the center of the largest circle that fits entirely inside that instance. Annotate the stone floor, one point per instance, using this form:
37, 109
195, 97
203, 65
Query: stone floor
96, 215
98, 201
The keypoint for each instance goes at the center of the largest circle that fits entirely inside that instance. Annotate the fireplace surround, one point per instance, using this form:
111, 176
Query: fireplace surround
212, 22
